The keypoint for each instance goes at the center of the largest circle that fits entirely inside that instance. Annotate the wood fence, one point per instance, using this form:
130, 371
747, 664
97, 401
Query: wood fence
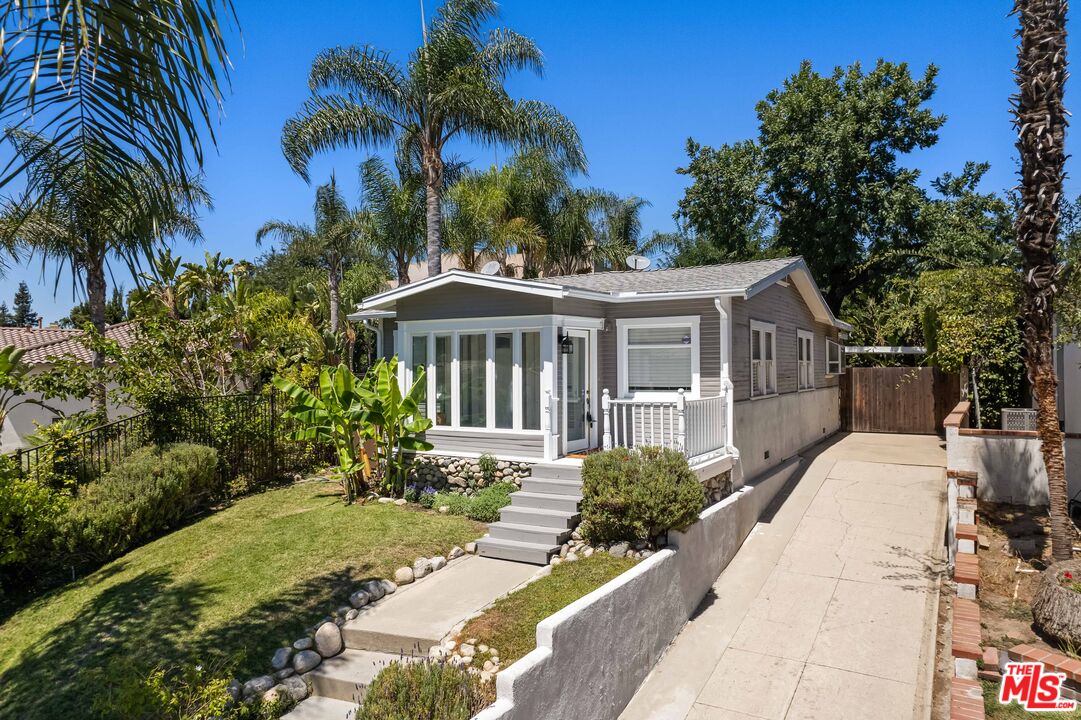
897, 399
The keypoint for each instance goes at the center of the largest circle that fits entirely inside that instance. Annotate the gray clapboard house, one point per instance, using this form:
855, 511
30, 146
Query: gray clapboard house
734, 365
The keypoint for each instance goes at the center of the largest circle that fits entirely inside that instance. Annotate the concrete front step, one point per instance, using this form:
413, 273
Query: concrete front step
556, 471
528, 533
346, 676
322, 708
545, 501
552, 487
540, 518
534, 553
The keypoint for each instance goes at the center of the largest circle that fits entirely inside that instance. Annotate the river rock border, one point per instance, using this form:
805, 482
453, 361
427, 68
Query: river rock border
289, 664
460, 474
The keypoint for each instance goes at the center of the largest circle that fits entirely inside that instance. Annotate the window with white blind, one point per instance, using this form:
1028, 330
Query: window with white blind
763, 352
805, 365
658, 356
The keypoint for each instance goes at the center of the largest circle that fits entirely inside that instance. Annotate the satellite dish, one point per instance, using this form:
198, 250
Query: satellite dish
490, 268
638, 262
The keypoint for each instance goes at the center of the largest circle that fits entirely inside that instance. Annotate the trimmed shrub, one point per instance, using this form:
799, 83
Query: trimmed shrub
151, 491
482, 505
28, 513
637, 495
424, 691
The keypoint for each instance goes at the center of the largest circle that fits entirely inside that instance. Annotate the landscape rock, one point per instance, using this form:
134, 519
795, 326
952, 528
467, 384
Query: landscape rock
296, 688
555, 560
343, 611
282, 657
386, 500
284, 673
489, 666
646, 553
389, 586
455, 553
234, 688
421, 567
467, 650
258, 686
304, 643
358, 599
328, 640
444, 509
438, 563
588, 552
571, 557
352, 614
274, 694
306, 660
471, 548
400, 501
618, 549
437, 652
374, 588
449, 645
403, 575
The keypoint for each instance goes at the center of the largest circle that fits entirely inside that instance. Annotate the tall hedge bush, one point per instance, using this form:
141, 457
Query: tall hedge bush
151, 491
636, 495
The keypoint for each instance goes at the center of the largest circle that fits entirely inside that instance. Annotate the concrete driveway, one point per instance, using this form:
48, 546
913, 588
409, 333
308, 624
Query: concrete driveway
828, 610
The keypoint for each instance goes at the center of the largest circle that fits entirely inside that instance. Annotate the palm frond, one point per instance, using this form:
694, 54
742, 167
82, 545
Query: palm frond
327, 122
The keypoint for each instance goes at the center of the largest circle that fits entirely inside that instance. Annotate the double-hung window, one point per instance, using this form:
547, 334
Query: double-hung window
805, 364
763, 352
835, 358
658, 356
480, 378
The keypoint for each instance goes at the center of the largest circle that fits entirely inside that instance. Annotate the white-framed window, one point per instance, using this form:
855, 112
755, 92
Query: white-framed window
763, 354
835, 358
805, 364
480, 378
658, 356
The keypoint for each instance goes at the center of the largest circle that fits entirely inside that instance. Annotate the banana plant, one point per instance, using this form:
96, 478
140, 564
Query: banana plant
395, 422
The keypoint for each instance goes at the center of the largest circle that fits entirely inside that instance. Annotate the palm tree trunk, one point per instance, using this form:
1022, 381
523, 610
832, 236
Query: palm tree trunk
1040, 119
95, 300
333, 280
402, 263
433, 187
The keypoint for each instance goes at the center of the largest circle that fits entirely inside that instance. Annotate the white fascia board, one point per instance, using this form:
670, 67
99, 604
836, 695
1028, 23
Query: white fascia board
808, 288
370, 315
627, 297
389, 297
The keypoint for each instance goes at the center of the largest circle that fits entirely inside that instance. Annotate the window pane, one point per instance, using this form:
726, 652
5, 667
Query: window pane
420, 360
681, 334
472, 355
531, 369
756, 345
504, 380
658, 368
767, 340
442, 379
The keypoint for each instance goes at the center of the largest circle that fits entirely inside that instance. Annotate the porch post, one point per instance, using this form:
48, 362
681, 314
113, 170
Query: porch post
606, 410
681, 422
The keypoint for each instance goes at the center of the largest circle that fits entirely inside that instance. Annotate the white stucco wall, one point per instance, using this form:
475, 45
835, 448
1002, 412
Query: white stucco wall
1010, 467
783, 425
24, 420
1070, 387
605, 641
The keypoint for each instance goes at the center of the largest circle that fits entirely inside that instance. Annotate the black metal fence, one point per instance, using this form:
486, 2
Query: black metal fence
248, 431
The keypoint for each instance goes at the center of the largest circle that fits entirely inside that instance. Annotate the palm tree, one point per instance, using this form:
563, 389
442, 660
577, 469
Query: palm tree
140, 80
90, 214
453, 86
335, 237
1041, 119
393, 213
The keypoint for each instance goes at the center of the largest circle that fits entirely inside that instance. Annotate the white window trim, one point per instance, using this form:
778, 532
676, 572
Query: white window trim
625, 324
453, 329
840, 358
802, 335
762, 327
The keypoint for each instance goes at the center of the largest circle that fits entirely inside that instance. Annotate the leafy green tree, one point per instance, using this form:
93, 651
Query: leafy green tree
335, 235
394, 213
115, 312
23, 315
723, 215
137, 81
5, 315
453, 87
965, 227
90, 216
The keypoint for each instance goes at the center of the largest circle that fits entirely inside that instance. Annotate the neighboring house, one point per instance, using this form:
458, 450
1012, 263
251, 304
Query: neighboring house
736, 365
43, 345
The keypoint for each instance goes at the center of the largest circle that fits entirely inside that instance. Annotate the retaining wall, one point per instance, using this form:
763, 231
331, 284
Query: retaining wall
592, 655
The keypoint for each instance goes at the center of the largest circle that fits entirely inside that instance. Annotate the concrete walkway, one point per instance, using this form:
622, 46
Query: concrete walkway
828, 610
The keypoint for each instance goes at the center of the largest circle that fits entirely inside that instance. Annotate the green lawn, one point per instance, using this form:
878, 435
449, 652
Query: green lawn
245, 579
510, 625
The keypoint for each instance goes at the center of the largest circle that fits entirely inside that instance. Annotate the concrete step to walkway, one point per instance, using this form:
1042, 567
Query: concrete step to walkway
518, 552
545, 501
420, 614
557, 471
322, 708
346, 677
528, 533
552, 487
540, 518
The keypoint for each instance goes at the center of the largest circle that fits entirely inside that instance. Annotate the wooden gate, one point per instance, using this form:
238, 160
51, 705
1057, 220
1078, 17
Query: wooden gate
897, 399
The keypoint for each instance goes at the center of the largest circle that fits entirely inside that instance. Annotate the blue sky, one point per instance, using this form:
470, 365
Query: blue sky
636, 77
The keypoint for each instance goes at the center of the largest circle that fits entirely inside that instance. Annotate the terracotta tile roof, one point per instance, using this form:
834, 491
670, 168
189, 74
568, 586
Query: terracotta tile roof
45, 344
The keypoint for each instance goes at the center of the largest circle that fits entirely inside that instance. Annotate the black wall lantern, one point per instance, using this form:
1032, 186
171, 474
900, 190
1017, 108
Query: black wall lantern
566, 347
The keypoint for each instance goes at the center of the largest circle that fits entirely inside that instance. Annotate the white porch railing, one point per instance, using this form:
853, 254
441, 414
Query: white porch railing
693, 427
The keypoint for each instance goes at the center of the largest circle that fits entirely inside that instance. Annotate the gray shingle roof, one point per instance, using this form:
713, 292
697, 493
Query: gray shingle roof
730, 276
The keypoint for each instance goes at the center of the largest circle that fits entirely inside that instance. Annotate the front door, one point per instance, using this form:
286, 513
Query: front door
577, 370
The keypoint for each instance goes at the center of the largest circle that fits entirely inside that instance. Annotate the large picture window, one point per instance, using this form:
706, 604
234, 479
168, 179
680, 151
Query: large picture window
763, 352
472, 383
658, 356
